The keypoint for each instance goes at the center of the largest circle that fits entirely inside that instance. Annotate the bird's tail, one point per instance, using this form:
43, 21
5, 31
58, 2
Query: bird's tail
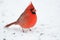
10, 24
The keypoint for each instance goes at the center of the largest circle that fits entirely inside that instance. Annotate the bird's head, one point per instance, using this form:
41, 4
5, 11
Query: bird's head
30, 9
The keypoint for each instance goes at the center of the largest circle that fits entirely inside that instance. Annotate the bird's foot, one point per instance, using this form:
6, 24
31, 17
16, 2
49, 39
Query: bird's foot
29, 29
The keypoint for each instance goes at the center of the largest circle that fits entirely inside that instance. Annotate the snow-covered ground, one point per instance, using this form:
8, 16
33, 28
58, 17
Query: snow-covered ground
48, 20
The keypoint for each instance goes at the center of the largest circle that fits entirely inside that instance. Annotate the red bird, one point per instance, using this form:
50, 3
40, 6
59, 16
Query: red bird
27, 19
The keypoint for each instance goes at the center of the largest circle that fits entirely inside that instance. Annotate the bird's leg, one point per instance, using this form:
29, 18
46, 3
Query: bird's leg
29, 29
23, 30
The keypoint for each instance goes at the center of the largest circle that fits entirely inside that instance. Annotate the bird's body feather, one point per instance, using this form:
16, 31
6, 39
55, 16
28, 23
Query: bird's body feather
27, 19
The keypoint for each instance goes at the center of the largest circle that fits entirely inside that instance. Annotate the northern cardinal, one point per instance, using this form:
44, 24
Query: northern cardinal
27, 19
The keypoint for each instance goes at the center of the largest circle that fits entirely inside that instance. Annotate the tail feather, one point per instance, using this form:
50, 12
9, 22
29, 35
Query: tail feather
10, 24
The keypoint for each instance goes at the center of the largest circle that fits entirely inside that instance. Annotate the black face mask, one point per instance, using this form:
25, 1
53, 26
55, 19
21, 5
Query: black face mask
32, 11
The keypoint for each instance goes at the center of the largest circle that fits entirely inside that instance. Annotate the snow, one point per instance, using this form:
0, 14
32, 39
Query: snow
48, 20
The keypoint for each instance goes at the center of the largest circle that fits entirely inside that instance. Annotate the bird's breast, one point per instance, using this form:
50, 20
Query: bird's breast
27, 21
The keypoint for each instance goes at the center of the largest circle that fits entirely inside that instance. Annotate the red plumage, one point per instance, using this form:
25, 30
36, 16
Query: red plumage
27, 19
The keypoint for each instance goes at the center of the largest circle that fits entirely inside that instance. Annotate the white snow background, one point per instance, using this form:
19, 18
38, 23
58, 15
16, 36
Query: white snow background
48, 20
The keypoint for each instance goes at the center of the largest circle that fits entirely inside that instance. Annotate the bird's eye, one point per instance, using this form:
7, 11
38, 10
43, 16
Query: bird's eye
33, 11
